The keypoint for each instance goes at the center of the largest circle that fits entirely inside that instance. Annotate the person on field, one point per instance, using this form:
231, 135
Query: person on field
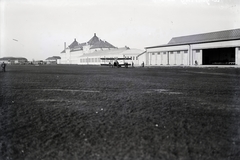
196, 62
126, 65
3, 65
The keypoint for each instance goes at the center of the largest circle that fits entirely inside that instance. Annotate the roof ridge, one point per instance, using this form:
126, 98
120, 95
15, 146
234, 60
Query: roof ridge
206, 37
208, 33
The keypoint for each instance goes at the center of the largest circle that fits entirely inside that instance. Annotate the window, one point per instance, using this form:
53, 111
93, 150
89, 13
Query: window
158, 53
185, 51
197, 50
164, 52
171, 52
133, 58
178, 52
153, 54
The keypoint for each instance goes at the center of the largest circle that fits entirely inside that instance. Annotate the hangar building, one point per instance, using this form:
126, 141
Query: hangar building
214, 48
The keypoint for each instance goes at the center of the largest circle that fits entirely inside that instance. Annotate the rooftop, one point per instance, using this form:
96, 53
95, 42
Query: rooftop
94, 42
14, 58
53, 58
225, 35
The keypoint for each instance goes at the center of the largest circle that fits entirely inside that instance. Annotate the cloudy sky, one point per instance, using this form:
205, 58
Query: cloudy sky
37, 29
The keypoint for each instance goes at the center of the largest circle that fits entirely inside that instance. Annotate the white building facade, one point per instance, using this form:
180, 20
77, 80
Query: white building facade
97, 52
122, 55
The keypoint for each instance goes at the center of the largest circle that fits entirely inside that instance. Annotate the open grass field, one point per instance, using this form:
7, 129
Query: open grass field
102, 113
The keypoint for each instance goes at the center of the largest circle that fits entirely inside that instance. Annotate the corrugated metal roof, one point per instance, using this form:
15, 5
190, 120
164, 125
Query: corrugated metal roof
78, 47
53, 58
101, 44
14, 58
73, 44
203, 38
94, 42
207, 37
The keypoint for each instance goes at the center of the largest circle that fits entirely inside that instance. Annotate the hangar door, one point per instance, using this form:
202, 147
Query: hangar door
218, 56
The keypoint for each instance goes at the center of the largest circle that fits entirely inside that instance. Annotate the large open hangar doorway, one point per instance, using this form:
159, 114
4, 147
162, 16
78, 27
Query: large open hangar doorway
219, 56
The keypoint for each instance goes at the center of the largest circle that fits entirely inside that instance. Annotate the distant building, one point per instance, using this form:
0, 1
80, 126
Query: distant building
96, 52
53, 60
215, 48
38, 62
14, 60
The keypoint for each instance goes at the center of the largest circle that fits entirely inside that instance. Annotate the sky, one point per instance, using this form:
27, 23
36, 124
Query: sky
37, 29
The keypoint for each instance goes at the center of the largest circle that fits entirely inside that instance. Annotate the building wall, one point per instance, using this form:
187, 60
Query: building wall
187, 54
178, 57
75, 57
71, 57
237, 56
173, 55
5, 61
197, 57
225, 44
164, 58
172, 59
59, 61
142, 59
133, 60
158, 58
65, 57
90, 60
185, 57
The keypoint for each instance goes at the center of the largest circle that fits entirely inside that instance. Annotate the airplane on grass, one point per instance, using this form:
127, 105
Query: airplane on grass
123, 61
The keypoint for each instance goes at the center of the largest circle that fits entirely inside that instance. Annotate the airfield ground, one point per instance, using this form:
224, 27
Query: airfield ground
103, 113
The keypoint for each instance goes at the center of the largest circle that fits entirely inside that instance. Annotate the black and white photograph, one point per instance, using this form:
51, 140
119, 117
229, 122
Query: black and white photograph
119, 79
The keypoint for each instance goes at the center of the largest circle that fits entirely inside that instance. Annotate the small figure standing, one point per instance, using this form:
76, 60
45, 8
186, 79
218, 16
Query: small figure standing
126, 65
196, 63
132, 64
3, 65
118, 65
110, 64
142, 64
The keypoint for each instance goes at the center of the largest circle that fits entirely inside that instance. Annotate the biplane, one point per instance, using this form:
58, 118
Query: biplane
116, 62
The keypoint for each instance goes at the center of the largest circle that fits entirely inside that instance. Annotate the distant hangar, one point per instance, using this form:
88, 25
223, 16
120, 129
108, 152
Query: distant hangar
215, 48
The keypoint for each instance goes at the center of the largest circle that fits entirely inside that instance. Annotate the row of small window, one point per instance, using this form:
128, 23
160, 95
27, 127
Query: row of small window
178, 52
99, 60
132, 58
171, 52
90, 60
